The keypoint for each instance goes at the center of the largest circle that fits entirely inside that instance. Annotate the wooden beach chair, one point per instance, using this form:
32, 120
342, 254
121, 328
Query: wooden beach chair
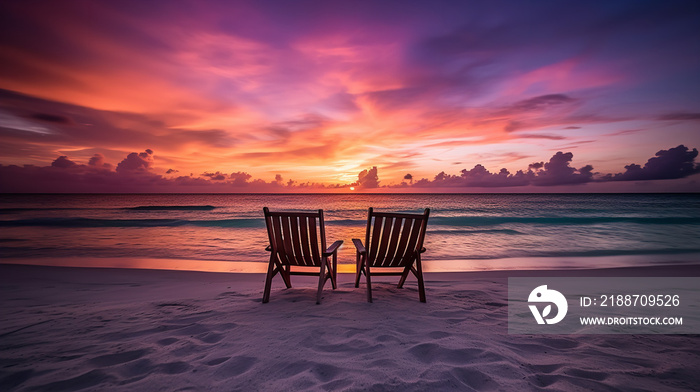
393, 241
294, 242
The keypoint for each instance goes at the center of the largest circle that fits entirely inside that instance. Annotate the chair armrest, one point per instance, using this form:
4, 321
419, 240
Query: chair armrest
269, 248
358, 244
333, 248
422, 250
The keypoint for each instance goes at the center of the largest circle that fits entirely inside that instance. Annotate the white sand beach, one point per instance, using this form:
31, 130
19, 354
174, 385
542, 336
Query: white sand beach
67, 329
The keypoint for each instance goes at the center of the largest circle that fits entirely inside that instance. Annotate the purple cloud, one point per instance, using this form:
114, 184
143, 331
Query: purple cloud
535, 166
63, 162
240, 178
98, 160
368, 178
136, 162
136, 174
677, 162
558, 172
218, 176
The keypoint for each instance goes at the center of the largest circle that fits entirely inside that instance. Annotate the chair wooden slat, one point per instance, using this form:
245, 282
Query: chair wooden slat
393, 242
409, 256
376, 235
401, 248
287, 235
384, 242
305, 247
369, 226
279, 248
296, 240
322, 230
314, 240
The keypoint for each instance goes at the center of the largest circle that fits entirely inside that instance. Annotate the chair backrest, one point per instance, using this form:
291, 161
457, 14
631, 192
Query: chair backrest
394, 240
294, 236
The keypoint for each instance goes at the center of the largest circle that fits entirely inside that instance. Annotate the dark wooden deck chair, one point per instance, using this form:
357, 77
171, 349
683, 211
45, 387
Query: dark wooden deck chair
393, 241
294, 242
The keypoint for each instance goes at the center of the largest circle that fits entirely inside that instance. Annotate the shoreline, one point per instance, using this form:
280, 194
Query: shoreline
670, 270
429, 266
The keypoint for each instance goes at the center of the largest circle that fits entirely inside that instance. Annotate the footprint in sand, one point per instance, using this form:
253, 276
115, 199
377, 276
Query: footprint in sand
432, 353
167, 341
115, 359
234, 367
217, 361
174, 367
476, 379
439, 334
86, 380
210, 337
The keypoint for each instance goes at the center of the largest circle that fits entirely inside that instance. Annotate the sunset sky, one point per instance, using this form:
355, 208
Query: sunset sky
246, 96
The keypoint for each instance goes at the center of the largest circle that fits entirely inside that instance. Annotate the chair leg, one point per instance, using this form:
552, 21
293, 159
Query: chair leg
404, 275
369, 284
358, 273
268, 281
286, 276
332, 274
321, 280
335, 270
419, 276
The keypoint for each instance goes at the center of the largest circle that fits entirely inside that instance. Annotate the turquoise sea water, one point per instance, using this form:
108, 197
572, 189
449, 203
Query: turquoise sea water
461, 227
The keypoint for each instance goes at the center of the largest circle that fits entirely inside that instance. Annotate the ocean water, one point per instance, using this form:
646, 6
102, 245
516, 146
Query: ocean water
467, 229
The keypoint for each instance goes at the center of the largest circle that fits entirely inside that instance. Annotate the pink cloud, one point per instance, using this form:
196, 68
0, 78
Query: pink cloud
324, 90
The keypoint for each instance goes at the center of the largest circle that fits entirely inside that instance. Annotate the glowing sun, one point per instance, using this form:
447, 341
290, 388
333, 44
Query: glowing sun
352, 188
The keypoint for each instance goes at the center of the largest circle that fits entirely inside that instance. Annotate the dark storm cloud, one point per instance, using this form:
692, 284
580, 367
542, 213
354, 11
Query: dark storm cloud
677, 162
